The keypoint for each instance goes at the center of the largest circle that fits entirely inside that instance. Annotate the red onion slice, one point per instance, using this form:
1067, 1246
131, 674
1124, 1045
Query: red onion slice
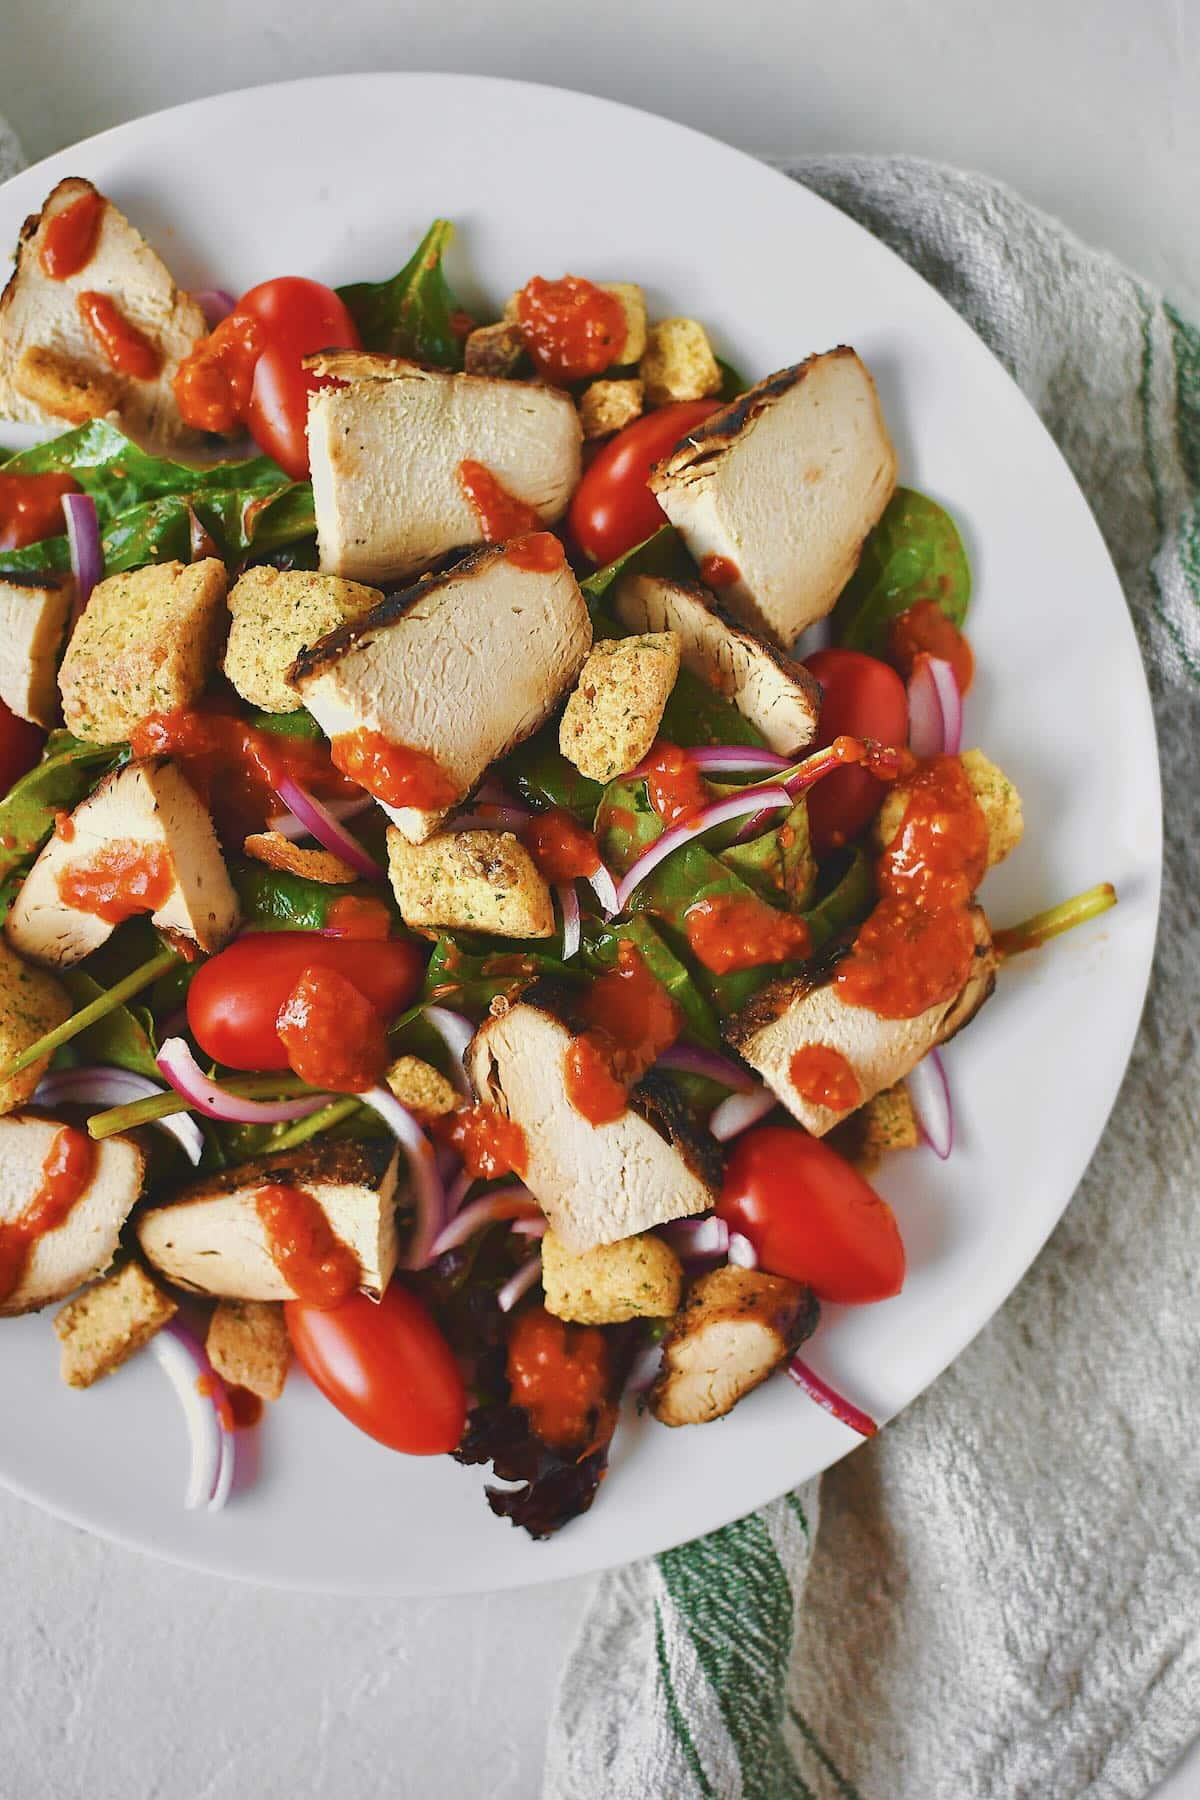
206, 1411
691, 1059
733, 807
842, 1409
187, 1078
926, 721
644, 1371
292, 828
739, 1112
328, 831
422, 1163
83, 539
502, 1203
102, 1086
456, 1032
742, 1253
951, 702
520, 1283
530, 1228
568, 901
692, 1238
929, 1091
215, 303
605, 889
717, 757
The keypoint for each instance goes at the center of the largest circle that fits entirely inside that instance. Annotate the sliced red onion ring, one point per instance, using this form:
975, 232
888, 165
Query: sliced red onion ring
496, 818
456, 1032
733, 807
833, 1402
605, 889
929, 1091
207, 1412
501, 1203
742, 1253
530, 1228
739, 1112
950, 696
644, 1372
692, 1238
187, 1078
520, 1283
427, 1183
568, 901
934, 708
328, 831
215, 303
713, 759
83, 539
691, 1059
292, 828
100, 1085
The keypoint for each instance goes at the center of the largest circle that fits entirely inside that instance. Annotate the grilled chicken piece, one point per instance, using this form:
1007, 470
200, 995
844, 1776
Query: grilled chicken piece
210, 1239
778, 696
791, 1014
33, 626
463, 666
737, 1326
596, 1183
150, 806
54, 372
785, 483
386, 451
83, 1245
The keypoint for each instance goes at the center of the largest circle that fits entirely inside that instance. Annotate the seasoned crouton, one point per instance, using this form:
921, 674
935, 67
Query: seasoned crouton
84, 1244
886, 1122
421, 1087
274, 615
496, 350
995, 795
278, 852
33, 623
31, 1004
678, 363
609, 406
148, 642
737, 1327
637, 1278
612, 717
63, 387
248, 1345
473, 880
108, 1323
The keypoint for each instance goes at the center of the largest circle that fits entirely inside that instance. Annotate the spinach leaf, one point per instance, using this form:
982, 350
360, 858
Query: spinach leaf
733, 382
662, 554
779, 865
123, 1037
67, 772
600, 946
414, 314
300, 724
542, 775
276, 900
467, 974
845, 904
914, 553
695, 714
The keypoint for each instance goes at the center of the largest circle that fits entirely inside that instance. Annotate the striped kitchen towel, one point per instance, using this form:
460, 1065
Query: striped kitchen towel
1003, 1598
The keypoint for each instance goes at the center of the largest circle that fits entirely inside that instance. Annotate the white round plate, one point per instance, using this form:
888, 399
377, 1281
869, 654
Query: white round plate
336, 179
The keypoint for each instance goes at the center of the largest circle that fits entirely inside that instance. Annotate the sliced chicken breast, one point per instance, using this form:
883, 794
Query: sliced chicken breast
211, 1240
789, 1015
386, 450
778, 696
84, 1244
146, 809
736, 1328
784, 484
33, 628
462, 667
595, 1183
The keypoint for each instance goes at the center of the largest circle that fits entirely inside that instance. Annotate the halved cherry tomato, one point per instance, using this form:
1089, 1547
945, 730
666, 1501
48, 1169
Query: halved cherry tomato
863, 698
20, 747
613, 509
386, 1367
298, 317
234, 999
812, 1217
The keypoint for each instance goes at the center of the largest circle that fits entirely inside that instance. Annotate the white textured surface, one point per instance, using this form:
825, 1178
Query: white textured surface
123, 1677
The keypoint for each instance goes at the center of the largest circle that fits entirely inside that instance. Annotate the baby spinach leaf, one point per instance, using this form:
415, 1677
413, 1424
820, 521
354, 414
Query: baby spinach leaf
300, 724
123, 1037
414, 314
662, 554
601, 944
733, 382
542, 775
914, 553
277, 900
66, 774
779, 865
845, 904
466, 974
696, 715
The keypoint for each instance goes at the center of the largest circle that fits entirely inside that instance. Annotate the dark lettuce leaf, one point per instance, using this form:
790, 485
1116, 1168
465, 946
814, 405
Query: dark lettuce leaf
414, 314
914, 553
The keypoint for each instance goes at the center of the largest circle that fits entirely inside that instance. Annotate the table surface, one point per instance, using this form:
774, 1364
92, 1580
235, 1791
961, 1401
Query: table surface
1090, 111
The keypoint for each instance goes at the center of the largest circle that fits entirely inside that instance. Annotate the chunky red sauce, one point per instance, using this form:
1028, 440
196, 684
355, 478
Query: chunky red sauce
572, 328
64, 827
501, 515
740, 931
125, 878
31, 508
397, 774
69, 238
719, 571
917, 947
489, 1142
541, 553
629, 1019
562, 848
333, 1036
66, 1173
128, 350
318, 1267
560, 1375
674, 785
216, 1391
359, 916
213, 383
822, 1076
925, 630
246, 1407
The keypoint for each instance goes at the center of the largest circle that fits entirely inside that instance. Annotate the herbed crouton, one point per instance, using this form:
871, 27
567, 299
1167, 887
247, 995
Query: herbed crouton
108, 1323
496, 350
474, 880
995, 795
31, 1004
886, 1122
274, 615
678, 363
65, 387
248, 1346
33, 623
609, 406
637, 1278
737, 1327
148, 642
278, 852
421, 1087
612, 717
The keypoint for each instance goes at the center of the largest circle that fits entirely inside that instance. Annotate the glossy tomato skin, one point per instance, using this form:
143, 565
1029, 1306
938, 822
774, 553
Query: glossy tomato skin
812, 1217
863, 697
613, 508
386, 1367
297, 317
20, 747
234, 999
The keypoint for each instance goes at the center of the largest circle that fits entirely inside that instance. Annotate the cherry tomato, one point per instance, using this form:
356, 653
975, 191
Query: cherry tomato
812, 1217
234, 999
386, 1367
613, 509
863, 698
298, 317
20, 747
